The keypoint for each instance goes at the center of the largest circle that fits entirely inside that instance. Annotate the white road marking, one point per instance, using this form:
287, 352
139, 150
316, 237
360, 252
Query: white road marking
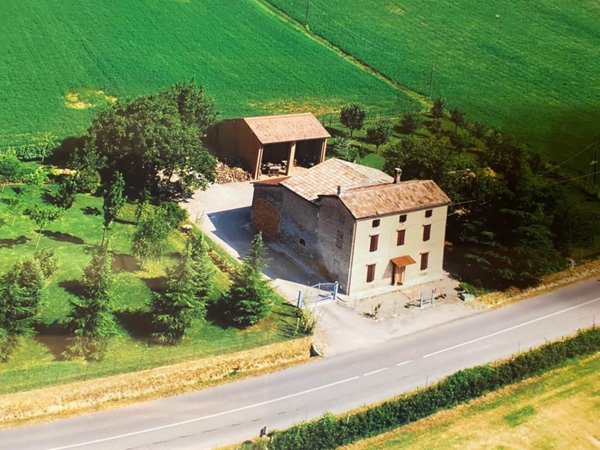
198, 419
374, 372
403, 363
529, 322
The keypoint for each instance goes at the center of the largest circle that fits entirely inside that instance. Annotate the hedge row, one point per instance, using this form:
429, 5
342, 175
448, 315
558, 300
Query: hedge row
330, 431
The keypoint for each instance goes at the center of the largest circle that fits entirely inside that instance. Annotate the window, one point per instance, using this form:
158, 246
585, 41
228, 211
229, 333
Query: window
426, 232
376, 223
428, 213
339, 240
400, 237
302, 242
424, 261
374, 243
402, 218
370, 272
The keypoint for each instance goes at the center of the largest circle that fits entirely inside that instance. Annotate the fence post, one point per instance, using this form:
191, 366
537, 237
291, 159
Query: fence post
299, 303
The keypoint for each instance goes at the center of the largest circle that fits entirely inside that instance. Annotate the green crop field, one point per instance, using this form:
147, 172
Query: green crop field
529, 67
61, 60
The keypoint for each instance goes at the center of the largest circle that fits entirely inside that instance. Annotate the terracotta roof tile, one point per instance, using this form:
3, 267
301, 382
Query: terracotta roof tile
286, 128
403, 261
393, 198
324, 178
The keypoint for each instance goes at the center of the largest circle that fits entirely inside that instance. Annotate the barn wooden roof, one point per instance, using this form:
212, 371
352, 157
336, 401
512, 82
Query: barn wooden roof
384, 199
286, 128
324, 178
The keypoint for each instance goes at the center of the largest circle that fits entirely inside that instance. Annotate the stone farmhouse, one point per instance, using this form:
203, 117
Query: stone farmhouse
270, 144
356, 225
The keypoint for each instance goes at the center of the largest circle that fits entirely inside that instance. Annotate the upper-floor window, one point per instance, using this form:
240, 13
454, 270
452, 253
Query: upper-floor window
402, 218
376, 223
429, 213
426, 232
374, 243
400, 237
370, 272
424, 261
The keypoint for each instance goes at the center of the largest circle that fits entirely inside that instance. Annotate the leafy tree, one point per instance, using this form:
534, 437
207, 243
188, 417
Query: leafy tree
114, 199
16, 205
35, 181
435, 126
379, 133
478, 130
47, 261
67, 191
174, 310
142, 204
409, 123
42, 215
91, 317
342, 148
87, 163
150, 237
11, 168
352, 116
174, 213
437, 110
153, 139
458, 118
20, 293
249, 299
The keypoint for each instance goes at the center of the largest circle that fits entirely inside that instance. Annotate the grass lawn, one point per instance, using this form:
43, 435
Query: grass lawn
62, 60
560, 409
526, 67
38, 361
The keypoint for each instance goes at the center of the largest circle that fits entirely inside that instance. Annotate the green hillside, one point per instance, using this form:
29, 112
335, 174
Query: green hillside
530, 67
63, 59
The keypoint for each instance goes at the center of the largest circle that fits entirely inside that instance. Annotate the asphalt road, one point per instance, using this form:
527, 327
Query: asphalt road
237, 411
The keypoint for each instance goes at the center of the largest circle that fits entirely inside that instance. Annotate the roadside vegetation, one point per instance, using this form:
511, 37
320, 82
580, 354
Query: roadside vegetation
98, 275
555, 410
332, 431
526, 68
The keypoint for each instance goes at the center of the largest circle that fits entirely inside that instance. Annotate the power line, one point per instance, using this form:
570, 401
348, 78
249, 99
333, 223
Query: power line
568, 159
577, 178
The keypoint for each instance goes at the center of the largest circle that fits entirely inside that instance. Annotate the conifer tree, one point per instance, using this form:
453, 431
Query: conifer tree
204, 273
249, 299
114, 199
91, 317
174, 310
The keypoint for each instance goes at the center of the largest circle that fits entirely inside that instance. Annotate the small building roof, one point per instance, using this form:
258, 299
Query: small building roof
286, 128
403, 261
324, 179
385, 199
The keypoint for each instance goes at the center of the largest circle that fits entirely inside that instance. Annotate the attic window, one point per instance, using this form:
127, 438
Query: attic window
402, 218
428, 213
302, 242
376, 223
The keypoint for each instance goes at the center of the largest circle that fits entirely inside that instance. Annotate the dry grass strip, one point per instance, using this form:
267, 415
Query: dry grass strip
548, 283
115, 391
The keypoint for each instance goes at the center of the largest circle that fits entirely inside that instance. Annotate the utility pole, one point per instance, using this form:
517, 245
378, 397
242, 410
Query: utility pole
306, 14
431, 80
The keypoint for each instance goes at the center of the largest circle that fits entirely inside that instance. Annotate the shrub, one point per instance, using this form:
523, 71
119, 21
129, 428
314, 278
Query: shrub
173, 213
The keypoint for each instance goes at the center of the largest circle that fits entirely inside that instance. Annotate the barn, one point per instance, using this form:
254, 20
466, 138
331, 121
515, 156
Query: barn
270, 145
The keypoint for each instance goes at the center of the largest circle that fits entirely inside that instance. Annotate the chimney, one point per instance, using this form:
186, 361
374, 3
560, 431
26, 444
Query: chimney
339, 190
398, 175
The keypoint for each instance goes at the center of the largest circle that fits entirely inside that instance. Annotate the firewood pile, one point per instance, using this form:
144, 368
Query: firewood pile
231, 174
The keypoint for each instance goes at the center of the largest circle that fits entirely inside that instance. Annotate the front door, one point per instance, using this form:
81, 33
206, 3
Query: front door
398, 277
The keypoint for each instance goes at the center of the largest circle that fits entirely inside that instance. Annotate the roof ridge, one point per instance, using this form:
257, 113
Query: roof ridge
274, 116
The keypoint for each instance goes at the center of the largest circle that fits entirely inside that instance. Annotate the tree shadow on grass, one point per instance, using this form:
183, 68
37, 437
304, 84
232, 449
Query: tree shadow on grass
137, 323
10, 243
156, 284
74, 287
91, 211
63, 237
123, 221
55, 336
125, 263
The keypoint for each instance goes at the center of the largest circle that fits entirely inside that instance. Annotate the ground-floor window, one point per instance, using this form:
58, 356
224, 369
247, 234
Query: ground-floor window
424, 261
370, 272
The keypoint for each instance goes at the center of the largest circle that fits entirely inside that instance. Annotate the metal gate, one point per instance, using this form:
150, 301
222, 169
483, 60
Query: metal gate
318, 293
